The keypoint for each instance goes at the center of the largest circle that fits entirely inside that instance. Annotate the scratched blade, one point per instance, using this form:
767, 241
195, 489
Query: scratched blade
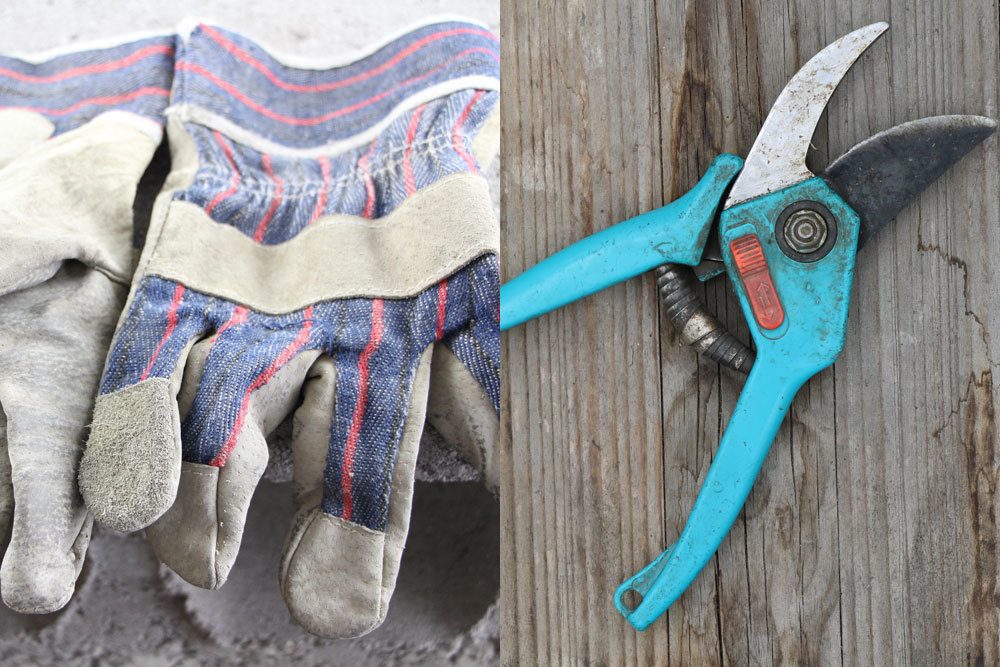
884, 173
777, 158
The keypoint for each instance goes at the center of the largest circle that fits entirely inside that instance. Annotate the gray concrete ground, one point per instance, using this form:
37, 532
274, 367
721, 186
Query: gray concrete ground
130, 610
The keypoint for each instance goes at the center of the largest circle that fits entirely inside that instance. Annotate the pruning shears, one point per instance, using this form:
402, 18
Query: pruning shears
786, 239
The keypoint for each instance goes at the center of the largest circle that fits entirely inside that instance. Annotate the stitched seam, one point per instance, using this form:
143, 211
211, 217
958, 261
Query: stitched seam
111, 275
212, 177
352, 526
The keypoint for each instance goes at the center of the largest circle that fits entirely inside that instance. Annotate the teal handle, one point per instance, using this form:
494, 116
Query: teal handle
676, 233
762, 406
815, 297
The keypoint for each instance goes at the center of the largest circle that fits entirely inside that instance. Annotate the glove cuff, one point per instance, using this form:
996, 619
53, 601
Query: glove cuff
357, 139
71, 88
225, 81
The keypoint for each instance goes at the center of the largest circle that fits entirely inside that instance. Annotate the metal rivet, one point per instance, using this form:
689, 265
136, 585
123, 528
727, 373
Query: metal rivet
805, 231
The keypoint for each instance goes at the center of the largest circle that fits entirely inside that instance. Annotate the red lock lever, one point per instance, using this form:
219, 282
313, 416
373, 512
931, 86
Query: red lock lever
756, 276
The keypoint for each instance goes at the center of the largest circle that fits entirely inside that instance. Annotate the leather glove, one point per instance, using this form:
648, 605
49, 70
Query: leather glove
325, 244
76, 133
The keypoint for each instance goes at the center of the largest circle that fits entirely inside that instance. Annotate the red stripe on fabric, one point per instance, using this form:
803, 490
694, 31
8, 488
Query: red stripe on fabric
442, 303
235, 183
279, 191
324, 168
239, 53
175, 303
85, 70
357, 419
316, 120
369, 182
411, 135
239, 316
456, 132
97, 101
263, 378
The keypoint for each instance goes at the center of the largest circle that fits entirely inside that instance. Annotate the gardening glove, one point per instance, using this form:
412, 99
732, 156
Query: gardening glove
76, 133
325, 244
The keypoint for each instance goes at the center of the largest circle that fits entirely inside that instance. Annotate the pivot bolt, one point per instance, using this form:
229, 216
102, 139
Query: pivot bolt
805, 231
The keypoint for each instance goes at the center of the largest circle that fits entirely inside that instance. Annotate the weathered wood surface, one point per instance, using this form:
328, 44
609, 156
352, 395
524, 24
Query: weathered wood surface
871, 535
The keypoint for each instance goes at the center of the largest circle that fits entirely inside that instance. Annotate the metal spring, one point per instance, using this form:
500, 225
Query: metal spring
698, 327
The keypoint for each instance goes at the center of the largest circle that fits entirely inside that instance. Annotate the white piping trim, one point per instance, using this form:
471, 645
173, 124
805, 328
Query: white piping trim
200, 115
298, 61
37, 57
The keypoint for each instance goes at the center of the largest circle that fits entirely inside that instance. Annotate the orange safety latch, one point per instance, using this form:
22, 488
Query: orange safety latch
752, 267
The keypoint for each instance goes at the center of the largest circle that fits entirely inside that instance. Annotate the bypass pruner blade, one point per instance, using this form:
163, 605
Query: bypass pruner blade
788, 239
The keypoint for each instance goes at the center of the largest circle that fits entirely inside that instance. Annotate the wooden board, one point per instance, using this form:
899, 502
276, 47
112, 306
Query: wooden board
871, 535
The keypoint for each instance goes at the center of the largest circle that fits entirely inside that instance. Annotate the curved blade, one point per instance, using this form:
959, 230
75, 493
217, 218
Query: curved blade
881, 175
777, 158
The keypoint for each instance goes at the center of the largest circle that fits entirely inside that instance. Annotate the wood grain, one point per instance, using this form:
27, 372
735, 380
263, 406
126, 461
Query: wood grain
871, 535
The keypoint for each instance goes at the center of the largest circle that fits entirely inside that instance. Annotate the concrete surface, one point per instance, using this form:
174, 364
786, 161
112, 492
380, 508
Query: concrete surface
130, 610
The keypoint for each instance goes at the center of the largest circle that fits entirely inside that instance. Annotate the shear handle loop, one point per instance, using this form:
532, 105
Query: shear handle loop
762, 406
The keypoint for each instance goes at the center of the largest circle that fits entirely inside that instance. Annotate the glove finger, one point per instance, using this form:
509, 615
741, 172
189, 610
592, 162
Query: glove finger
342, 557
311, 427
464, 401
247, 379
463, 413
131, 464
61, 329
51, 528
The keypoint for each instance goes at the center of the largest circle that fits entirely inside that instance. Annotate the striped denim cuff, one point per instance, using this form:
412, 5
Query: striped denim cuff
280, 147
228, 77
74, 87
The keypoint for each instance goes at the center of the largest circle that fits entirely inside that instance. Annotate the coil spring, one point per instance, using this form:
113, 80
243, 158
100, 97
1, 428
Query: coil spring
698, 327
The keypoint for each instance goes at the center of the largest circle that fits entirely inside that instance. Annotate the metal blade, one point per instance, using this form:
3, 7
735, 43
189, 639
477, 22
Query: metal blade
777, 158
881, 175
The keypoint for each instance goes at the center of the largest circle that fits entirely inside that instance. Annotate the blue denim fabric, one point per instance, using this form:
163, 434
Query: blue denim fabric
342, 329
227, 74
72, 89
335, 183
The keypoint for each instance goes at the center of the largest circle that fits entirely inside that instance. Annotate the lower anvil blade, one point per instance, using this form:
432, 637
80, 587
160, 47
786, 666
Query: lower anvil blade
881, 175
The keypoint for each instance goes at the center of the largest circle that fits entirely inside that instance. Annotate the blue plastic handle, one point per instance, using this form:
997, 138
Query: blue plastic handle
814, 297
762, 406
676, 233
